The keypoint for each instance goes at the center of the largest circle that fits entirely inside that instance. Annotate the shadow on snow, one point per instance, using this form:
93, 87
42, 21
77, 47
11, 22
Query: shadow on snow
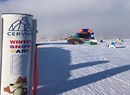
54, 70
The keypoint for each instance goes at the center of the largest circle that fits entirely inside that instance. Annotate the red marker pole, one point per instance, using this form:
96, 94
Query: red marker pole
33, 70
35, 78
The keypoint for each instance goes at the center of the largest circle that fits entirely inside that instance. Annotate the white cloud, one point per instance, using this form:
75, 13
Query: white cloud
65, 17
127, 6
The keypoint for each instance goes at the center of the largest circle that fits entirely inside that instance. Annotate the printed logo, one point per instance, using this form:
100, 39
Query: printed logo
21, 25
20, 28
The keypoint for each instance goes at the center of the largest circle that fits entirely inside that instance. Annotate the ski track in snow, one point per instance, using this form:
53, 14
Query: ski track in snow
66, 69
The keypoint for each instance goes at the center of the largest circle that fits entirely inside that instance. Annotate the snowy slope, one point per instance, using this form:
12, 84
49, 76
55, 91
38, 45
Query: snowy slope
66, 69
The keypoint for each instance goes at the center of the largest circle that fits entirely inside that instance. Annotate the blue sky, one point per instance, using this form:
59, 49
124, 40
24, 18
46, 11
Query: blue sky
61, 18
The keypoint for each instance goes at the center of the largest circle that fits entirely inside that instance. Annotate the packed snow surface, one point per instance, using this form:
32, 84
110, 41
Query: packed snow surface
66, 69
